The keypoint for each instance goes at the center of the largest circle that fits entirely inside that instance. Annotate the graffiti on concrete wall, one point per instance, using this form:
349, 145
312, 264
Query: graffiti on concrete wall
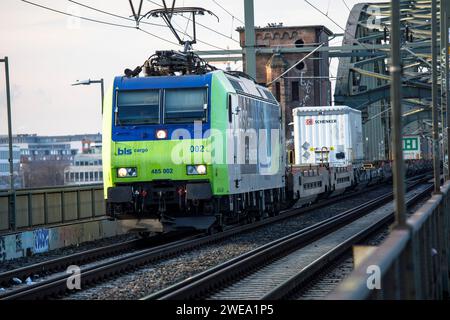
18, 242
41, 240
64, 236
307, 88
13, 246
2, 249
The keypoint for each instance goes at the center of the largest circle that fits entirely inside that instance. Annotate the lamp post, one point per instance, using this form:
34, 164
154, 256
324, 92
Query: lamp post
250, 51
435, 98
396, 105
89, 82
445, 97
12, 222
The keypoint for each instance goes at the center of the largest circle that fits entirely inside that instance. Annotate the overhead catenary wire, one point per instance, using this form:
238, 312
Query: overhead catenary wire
349, 10
202, 25
96, 20
185, 29
297, 63
337, 24
115, 15
232, 15
346, 5
142, 22
161, 38
79, 17
356, 39
110, 23
328, 8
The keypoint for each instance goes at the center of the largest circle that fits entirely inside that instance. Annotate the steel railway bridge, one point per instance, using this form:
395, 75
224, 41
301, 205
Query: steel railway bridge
363, 77
409, 269
363, 73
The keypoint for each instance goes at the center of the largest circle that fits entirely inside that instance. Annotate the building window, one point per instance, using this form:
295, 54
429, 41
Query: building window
77, 176
299, 43
300, 66
91, 176
295, 91
278, 91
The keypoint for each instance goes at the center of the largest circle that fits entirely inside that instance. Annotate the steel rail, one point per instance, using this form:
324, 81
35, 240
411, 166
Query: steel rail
58, 285
210, 280
289, 286
84, 257
59, 264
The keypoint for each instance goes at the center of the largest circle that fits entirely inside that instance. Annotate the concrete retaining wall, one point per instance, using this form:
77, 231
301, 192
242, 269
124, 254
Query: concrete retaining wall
21, 244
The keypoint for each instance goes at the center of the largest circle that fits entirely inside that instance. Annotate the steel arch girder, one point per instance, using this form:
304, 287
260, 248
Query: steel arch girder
424, 114
362, 100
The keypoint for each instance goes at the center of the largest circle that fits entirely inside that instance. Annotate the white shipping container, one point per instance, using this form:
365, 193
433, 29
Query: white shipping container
328, 135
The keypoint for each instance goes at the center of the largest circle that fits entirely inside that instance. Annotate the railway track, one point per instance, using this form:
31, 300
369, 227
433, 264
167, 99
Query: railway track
275, 270
57, 286
59, 264
55, 265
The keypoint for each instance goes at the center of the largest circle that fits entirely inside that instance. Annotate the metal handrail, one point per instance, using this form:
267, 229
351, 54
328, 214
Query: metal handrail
52, 205
404, 247
52, 189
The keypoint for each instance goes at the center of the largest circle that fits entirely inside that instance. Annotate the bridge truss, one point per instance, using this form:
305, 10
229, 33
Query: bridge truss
363, 73
363, 80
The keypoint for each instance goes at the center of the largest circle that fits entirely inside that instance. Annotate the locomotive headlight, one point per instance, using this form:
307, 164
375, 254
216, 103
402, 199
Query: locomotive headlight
201, 169
127, 173
122, 173
198, 170
161, 134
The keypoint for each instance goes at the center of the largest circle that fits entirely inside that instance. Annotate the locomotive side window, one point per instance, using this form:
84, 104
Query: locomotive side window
138, 107
186, 105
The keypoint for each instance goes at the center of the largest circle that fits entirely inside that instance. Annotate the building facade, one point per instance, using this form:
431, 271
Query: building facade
86, 167
308, 84
5, 170
43, 159
51, 148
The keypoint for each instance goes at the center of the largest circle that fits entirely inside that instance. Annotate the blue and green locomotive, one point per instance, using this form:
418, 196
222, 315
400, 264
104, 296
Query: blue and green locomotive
191, 151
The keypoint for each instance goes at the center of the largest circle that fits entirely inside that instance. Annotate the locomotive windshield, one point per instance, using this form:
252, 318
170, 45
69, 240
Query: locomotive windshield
138, 107
185, 105
180, 106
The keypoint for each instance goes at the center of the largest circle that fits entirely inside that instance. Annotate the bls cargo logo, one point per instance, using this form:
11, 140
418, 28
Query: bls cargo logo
309, 122
129, 152
124, 152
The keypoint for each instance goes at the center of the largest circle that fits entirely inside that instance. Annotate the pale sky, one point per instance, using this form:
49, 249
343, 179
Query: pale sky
48, 51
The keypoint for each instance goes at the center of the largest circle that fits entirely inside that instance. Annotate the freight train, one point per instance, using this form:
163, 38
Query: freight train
190, 146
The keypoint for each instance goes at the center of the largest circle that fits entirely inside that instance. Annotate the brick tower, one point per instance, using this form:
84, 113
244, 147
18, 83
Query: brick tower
308, 83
